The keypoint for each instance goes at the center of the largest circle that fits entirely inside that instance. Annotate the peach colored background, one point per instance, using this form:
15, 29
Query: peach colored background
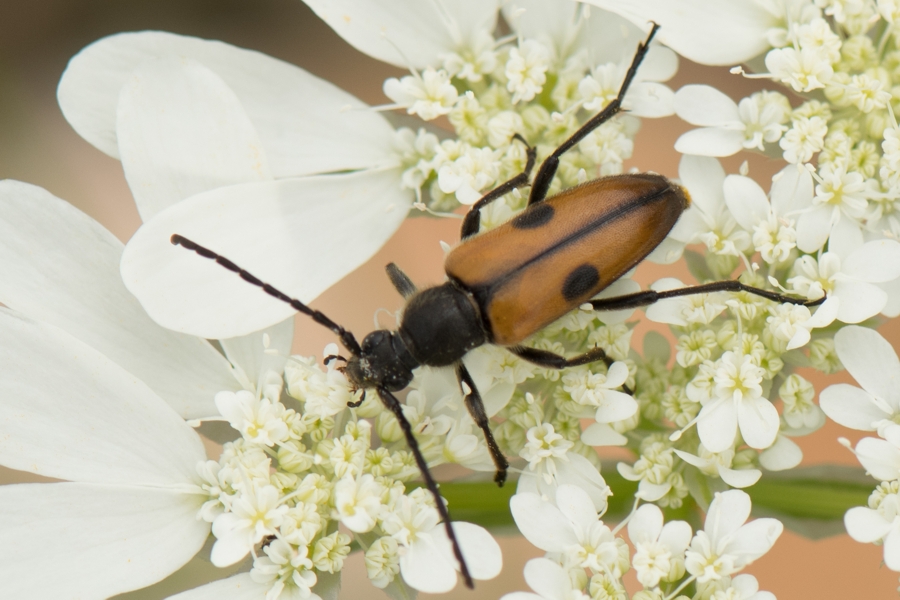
37, 145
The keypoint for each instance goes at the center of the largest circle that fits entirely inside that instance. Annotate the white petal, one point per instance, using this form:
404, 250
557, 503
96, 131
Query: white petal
480, 549
408, 34
692, 459
667, 252
676, 535
892, 549
755, 539
646, 524
892, 308
865, 525
250, 353
850, 406
425, 567
236, 587
100, 540
813, 228
582, 473
704, 178
547, 578
542, 524
880, 458
660, 64
784, 454
875, 262
601, 434
746, 201
871, 360
60, 266
706, 106
727, 513
576, 505
710, 141
650, 99
709, 32
739, 478
859, 300
300, 235
616, 406
717, 426
758, 420
182, 131
792, 190
306, 124
69, 412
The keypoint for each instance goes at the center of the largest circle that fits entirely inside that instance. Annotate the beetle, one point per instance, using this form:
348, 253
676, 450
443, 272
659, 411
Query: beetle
510, 282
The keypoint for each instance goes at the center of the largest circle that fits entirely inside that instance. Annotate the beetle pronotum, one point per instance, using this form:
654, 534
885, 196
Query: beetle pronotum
514, 280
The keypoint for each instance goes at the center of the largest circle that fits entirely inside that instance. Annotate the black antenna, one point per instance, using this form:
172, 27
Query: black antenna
345, 336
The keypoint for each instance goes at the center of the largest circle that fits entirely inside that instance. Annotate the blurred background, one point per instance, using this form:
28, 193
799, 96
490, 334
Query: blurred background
37, 146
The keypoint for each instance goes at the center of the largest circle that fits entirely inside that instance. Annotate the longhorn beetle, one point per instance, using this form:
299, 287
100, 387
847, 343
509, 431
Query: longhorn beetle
514, 280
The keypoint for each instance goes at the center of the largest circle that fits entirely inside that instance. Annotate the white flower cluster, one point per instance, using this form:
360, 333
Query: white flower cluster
281, 490
540, 85
586, 559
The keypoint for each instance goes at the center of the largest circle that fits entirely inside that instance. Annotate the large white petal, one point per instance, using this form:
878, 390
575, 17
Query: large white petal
792, 190
876, 262
872, 361
739, 478
717, 425
758, 420
880, 458
542, 523
705, 105
892, 549
859, 300
73, 540
850, 406
182, 131
306, 124
60, 266
426, 567
813, 227
71, 413
480, 549
300, 235
576, 505
407, 34
710, 141
784, 454
237, 587
646, 524
650, 99
727, 513
865, 525
754, 539
703, 177
746, 201
547, 578
709, 32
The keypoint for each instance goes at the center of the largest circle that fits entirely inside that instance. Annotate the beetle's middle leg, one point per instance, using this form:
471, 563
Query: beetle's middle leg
476, 410
551, 360
545, 174
472, 222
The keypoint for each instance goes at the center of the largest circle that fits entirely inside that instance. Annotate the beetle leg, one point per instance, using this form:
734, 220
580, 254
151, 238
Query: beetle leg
649, 297
401, 280
548, 168
476, 410
357, 403
472, 222
347, 338
392, 404
551, 360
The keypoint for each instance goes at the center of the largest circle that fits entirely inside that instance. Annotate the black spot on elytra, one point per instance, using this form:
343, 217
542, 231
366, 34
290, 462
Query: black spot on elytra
579, 282
534, 217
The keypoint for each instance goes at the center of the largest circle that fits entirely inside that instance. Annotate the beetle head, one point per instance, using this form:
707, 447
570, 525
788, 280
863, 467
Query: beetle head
378, 364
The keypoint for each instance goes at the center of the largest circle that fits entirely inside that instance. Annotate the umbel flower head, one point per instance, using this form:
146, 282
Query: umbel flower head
225, 145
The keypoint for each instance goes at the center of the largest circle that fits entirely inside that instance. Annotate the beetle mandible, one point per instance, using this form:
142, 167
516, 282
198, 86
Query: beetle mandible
512, 281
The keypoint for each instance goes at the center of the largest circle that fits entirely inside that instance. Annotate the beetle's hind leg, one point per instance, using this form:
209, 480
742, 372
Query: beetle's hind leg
548, 168
476, 410
472, 222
